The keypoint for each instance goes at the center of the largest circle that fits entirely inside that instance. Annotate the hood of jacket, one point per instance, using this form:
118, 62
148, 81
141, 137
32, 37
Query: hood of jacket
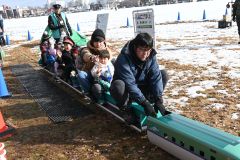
129, 51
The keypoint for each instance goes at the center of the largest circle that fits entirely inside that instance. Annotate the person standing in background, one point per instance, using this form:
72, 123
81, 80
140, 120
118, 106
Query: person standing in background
2, 40
58, 23
236, 15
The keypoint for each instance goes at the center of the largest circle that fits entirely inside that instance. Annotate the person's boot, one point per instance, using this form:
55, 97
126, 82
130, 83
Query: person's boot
56, 78
239, 40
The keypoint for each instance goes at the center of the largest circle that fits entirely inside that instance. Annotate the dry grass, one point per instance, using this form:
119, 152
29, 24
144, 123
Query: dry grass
98, 136
199, 108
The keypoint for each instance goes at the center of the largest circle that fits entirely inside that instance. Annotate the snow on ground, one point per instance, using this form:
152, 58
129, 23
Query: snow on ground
217, 105
17, 28
238, 106
193, 91
235, 115
205, 60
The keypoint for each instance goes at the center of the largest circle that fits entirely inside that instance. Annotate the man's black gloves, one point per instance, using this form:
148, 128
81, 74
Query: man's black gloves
148, 108
159, 106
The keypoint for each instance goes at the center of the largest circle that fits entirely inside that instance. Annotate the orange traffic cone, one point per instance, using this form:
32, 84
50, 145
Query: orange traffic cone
3, 152
5, 130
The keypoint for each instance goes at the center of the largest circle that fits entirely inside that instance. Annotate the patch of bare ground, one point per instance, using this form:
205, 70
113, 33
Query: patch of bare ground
170, 41
183, 80
234, 49
96, 137
200, 108
116, 46
210, 26
223, 40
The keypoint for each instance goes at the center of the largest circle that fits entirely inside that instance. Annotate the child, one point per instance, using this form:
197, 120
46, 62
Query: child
44, 46
51, 56
68, 59
73, 74
103, 70
58, 65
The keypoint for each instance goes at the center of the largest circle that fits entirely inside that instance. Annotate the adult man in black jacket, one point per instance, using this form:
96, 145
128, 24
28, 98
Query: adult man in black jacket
137, 77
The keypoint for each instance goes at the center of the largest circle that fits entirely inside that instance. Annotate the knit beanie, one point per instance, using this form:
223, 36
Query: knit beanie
98, 36
45, 36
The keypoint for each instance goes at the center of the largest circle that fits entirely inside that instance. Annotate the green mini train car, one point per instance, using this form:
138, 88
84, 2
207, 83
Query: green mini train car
141, 118
189, 139
184, 138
